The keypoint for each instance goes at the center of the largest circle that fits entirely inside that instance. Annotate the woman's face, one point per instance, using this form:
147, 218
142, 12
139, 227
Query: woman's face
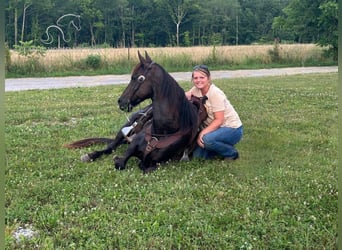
200, 79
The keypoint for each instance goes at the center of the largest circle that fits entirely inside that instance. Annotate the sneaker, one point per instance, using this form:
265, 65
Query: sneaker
233, 158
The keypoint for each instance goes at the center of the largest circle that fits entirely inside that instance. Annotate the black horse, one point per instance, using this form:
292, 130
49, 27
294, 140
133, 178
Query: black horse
169, 125
175, 123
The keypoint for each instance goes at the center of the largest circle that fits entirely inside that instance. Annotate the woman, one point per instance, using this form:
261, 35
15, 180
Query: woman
223, 127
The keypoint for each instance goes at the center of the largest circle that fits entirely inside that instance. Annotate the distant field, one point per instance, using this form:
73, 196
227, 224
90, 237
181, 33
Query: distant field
281, 193
112, 60
229, 53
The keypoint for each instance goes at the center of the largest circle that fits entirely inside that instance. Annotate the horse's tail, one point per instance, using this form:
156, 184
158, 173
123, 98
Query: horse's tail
87, 142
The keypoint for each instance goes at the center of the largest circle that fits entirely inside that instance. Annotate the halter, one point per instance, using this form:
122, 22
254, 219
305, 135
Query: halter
141, 78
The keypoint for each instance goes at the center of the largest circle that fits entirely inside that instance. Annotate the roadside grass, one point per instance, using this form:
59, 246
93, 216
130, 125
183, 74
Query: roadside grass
280, 194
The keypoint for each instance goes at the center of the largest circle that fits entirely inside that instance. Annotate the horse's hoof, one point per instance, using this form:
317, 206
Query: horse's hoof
118, 163
150, 169
118, 166
85, 158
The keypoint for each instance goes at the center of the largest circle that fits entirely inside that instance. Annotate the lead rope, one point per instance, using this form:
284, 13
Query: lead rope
125, 113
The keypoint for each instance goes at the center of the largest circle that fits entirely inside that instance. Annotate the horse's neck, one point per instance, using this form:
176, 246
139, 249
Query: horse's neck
165, 118
166, 114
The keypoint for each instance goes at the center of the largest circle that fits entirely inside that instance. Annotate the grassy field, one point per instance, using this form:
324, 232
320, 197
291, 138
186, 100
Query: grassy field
280, 194
121, 60
58, 57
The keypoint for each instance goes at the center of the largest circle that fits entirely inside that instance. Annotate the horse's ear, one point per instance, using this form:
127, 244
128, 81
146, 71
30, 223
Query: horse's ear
142, 60
148, 58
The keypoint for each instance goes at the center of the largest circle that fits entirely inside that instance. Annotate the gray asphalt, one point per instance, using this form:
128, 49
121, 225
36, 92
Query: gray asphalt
19, 84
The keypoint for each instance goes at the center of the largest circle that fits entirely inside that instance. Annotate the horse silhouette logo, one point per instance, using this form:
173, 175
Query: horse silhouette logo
63, 26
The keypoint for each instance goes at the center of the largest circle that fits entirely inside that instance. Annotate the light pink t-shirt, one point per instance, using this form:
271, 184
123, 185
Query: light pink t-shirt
218, 101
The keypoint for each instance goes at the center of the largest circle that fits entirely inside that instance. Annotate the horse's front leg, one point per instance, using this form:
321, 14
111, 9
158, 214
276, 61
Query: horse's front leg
149, 164
132, 150
98, 153
150, 168
120, 162
118, 140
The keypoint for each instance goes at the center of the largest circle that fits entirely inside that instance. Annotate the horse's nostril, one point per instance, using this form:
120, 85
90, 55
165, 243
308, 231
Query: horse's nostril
122, 104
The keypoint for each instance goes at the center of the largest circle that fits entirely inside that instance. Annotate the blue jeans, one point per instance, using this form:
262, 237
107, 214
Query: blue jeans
220, 143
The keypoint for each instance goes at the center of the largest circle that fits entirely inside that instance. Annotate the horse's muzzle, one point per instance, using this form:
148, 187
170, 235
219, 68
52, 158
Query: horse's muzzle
125, 105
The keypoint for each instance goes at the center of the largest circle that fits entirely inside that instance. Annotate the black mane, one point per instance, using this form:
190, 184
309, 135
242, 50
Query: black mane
175, 96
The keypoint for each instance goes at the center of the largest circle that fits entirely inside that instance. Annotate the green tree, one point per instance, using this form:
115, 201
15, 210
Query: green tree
225, 21
122, 23
301, 18
92, 16
209, 19
141, 21
256, 18
311, 21
327, 24
177, 10
14, 10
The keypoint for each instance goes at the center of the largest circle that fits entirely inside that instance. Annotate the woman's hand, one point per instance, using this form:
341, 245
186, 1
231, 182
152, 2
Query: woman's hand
200, 140
188, 95
215, 124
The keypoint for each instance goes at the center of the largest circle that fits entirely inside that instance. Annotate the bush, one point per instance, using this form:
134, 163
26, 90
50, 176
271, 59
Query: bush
32, 55
93, 61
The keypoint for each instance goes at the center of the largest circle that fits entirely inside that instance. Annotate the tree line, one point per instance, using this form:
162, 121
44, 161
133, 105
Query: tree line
160, 23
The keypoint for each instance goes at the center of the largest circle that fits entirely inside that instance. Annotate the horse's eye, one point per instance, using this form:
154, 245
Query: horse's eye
141, 78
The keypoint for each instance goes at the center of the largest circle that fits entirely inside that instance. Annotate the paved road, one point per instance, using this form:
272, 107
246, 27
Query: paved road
19, 84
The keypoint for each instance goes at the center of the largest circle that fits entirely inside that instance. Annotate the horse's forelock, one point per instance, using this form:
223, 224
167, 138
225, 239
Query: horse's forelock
140, 68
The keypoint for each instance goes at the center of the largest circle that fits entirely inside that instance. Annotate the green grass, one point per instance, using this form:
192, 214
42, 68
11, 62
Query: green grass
280, 194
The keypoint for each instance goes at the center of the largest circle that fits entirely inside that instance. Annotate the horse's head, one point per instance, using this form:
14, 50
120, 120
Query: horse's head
140, 85
76, 22
69, 20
